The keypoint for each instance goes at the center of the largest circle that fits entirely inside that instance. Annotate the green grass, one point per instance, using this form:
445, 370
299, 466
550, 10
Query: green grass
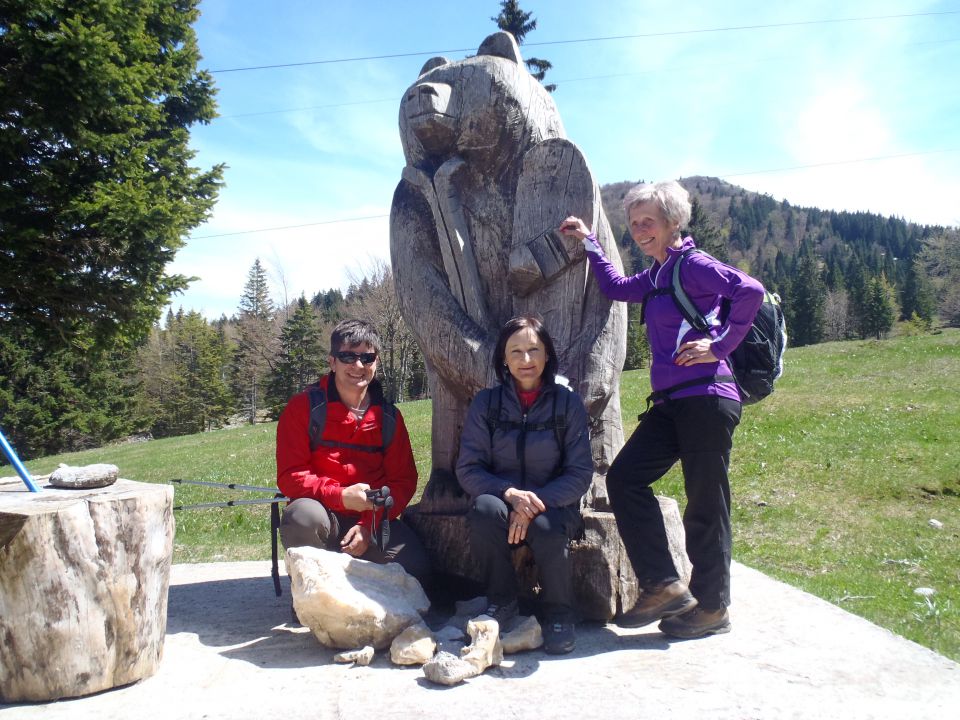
835, 478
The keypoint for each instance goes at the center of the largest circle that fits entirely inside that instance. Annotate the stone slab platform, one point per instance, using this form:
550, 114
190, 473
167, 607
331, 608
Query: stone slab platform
230, 654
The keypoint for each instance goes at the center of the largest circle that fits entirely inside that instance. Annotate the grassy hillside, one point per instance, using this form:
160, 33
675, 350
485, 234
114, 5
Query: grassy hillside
836, 478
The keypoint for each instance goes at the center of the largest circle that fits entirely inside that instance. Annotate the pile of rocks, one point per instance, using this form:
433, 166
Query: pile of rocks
361, 607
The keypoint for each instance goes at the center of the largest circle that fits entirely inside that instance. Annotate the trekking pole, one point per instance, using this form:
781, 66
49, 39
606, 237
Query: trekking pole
274, 503
18, 466
226, 486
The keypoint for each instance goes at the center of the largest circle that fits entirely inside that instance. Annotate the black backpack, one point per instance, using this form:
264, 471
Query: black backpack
318, 419
756, 362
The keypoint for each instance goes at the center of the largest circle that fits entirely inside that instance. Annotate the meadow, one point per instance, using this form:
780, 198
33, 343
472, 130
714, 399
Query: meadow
846, 481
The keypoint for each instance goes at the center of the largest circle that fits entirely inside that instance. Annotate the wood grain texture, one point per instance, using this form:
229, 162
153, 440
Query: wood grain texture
83, 587
489, 177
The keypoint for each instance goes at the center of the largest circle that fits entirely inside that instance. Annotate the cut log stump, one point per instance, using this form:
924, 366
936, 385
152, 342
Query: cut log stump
603, 579
83, 587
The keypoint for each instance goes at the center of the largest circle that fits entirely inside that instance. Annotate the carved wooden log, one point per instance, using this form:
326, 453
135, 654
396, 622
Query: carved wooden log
489, 177
603, 579
83, 587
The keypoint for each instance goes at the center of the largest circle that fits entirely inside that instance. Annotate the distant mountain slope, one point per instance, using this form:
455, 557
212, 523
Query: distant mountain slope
757, 228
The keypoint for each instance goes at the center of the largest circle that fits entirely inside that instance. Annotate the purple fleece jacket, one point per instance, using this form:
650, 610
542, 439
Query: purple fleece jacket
707, 281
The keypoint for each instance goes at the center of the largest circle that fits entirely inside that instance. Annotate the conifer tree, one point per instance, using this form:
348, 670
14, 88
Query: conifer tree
880, 307
302, 357
806, 300
705, 233
96, 186
256, 341
518, 23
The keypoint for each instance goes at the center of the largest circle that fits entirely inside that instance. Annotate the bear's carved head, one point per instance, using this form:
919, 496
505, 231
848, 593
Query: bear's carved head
486, 109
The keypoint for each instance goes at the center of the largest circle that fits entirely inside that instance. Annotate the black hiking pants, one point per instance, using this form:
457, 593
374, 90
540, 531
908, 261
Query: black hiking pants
306, 522
697, 431
548, 536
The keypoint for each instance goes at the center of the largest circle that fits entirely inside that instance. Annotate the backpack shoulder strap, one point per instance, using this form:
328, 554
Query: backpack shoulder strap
389, 428
652, 293
560, 421
683, 302
318, 420
493, 410
318, 414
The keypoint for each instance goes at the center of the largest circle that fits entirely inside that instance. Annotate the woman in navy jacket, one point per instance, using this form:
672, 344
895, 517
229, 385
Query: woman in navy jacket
525, 460
696, 409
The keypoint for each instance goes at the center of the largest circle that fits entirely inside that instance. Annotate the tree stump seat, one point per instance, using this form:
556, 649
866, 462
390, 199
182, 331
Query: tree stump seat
83, 587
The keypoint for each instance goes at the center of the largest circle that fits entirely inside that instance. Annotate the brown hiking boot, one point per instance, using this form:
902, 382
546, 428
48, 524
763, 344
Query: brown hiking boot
660, 602
697, 623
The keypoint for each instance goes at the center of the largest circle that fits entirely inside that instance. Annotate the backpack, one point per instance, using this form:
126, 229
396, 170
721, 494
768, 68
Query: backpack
558, 423
318, 419
757, 361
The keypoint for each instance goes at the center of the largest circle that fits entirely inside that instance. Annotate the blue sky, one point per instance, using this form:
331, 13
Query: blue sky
833, 103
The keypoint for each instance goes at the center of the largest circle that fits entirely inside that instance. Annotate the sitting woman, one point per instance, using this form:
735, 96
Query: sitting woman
525, 460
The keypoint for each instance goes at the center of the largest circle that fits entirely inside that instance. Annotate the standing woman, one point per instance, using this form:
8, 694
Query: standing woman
696, 407
525, 460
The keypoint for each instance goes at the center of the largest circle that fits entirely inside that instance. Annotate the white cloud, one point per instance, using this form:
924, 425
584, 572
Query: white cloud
310, 258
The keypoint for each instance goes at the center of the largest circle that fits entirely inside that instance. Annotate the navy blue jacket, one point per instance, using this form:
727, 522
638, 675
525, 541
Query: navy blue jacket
527, 459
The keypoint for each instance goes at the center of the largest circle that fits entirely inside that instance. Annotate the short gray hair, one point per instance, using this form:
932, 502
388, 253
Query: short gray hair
670, 196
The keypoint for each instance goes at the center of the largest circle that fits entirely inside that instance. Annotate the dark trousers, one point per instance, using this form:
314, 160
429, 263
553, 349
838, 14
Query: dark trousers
548, 536
698, 431
306, 522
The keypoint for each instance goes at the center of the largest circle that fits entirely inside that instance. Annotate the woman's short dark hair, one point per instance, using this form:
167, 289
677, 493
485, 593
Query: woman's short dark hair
520, 322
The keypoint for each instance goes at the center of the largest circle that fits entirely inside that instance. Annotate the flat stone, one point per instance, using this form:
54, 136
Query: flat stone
87, 476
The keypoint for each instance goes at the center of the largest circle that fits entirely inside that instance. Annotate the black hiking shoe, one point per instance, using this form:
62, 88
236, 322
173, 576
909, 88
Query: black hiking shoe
559, 638
503, 613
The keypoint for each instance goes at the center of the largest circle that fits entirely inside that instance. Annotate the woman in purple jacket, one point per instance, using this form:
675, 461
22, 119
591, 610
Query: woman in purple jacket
695, 411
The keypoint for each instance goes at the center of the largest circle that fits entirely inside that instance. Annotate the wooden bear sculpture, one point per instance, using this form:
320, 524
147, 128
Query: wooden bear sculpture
489, 176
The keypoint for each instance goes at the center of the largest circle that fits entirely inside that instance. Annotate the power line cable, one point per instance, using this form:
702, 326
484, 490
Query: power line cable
725, 176
665, 33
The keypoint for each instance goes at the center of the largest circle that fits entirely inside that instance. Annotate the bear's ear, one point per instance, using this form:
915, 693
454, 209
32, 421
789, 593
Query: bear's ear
432, 63
501, 44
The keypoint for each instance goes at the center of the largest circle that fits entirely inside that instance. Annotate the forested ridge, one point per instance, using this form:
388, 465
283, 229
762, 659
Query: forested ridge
841, 275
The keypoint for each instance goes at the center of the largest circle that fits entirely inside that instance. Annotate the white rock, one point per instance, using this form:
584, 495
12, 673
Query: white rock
485, 650
363, 656
87, 476
447, 669
525, 636
414, 646
935, 524
925, 592
349, 603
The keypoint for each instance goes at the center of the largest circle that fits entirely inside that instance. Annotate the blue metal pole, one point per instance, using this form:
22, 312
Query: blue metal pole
15, 461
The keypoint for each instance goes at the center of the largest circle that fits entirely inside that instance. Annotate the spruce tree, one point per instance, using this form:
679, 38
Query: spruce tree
705, 233
805, 306
518, 23
256, 341
302, 357
880, 307
96, 187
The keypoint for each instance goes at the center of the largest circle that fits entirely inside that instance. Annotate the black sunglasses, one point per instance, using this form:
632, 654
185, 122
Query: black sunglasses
349, 358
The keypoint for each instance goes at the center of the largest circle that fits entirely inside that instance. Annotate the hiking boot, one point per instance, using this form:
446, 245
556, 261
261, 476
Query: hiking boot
559, 638
662, 601
503, 613
697, 623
